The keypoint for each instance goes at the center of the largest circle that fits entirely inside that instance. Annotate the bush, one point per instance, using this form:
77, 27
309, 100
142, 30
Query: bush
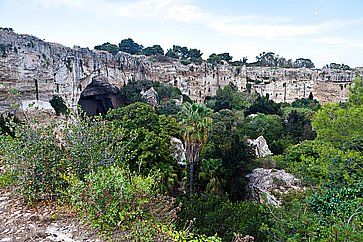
217, 215
113, 198
59, 105
43, 156
298, 220
127, 205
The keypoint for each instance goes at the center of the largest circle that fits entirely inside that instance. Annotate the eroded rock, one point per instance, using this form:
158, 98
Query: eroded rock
260, 146
268, 185
178, 151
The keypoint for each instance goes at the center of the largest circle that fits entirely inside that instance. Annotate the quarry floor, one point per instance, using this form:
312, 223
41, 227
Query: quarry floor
45, 222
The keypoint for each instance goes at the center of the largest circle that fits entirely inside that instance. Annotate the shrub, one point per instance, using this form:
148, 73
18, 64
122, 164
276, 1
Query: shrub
217, 215
35, 155
297, 220
59, 105
43, 156
112, 197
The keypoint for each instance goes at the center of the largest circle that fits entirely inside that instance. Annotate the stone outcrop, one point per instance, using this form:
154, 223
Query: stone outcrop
178, 151
268, 185
32, 71
260, 146
151, 96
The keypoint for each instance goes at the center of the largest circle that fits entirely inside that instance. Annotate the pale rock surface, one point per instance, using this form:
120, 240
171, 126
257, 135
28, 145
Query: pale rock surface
268, 185
151, 96
260, 146
38, 70
178, 151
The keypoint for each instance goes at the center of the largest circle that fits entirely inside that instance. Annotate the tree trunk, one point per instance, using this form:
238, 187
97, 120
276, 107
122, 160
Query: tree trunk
191, 178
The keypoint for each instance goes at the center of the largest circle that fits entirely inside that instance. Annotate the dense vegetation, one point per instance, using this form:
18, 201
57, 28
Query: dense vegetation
118, 170
191, 55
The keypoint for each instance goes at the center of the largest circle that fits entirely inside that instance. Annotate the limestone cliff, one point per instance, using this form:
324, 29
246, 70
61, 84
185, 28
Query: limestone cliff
32, 71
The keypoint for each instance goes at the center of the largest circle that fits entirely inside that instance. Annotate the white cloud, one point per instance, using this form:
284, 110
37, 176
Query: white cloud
186, 11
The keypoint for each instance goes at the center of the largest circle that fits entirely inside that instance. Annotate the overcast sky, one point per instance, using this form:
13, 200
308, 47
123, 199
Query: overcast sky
323, 30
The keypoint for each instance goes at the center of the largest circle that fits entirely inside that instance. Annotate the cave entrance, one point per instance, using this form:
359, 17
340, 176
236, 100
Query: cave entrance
99, 96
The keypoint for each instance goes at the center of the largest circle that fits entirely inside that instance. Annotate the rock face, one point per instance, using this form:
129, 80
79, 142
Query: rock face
151, 96
178, 151
260, 146
37, 70
99, 96
268, 185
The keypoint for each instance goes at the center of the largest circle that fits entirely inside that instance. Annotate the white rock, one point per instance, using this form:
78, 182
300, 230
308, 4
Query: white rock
268, 185
260, 146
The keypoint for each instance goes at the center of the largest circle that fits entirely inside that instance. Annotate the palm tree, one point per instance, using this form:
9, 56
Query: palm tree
196, 125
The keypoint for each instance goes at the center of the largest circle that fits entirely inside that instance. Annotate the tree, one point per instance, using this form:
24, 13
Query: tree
108, 47
298, 127
340, 127
263, 105
217, 58
183, 53
130, 46
302, 62
153, 50
195, 55
356, 92
196, 125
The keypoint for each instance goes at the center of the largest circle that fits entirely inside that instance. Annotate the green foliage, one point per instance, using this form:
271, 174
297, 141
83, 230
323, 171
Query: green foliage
225, 143
356, 92
131, 91
312, 104
274, 60
270, 127
36, 156
209, 175
217, 215
297, 221
264, 105
153, 50
8, 122
320, 164
229, 98
338, 66
130, 46
112, 48
185, 54
195, 129
6, 179
43, 156
217, 58
340, 127
298, 127
113, 198
148, 136
59, 105
169, 108
181, 236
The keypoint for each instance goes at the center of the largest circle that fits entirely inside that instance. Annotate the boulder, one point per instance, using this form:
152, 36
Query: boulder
178, 151
151, 96
268, 185
260, 146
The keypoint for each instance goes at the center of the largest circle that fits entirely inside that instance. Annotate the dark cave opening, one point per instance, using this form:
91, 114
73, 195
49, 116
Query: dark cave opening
99, 97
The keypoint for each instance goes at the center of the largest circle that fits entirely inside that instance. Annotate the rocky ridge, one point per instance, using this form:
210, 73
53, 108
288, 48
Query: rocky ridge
32, 71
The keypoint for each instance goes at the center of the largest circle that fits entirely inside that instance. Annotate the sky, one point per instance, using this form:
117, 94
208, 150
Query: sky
324, 31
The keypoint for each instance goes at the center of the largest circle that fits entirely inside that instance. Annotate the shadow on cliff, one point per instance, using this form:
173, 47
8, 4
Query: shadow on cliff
100, 96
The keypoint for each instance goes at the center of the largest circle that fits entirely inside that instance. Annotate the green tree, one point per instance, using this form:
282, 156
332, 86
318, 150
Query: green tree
130, 46
196, 125
356, 92
340, 127
148, 135
153, 50
270, 127
108, 47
